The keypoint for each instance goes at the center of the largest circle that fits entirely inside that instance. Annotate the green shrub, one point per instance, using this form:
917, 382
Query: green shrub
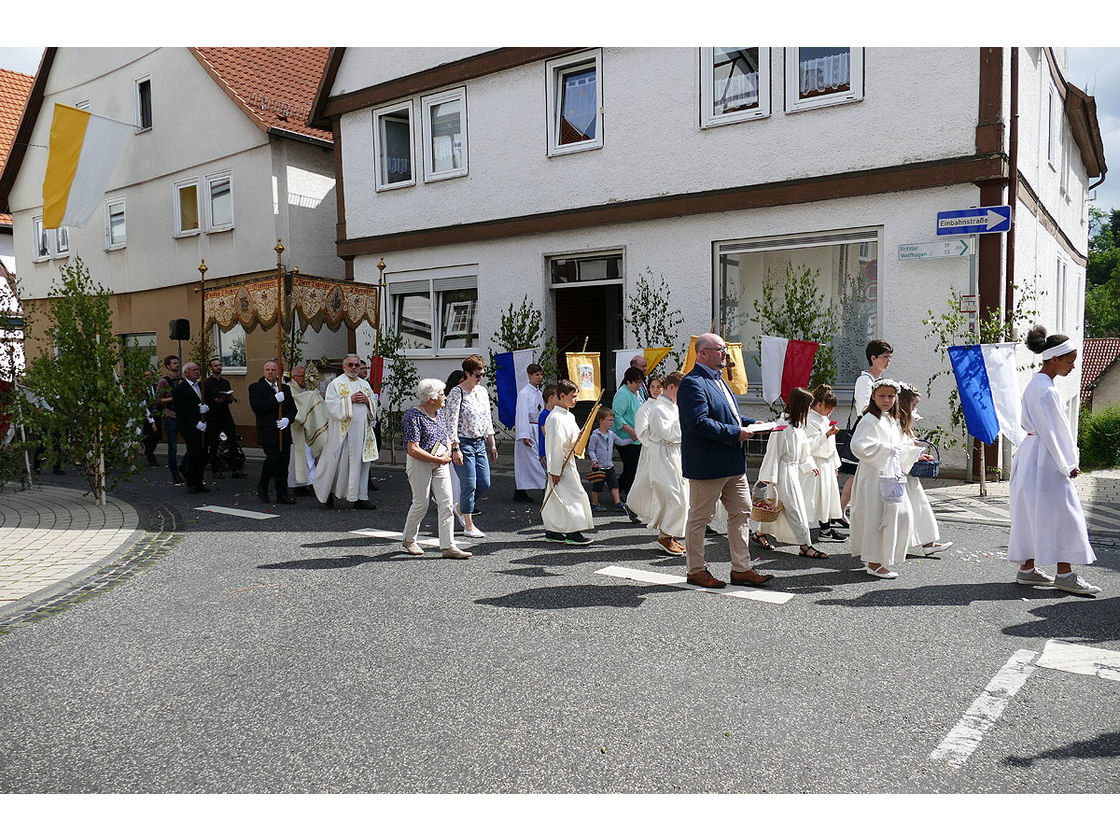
1098, 436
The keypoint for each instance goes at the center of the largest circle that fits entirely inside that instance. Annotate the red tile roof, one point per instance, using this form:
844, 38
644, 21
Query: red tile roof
15, 88
274, 86
1097, 356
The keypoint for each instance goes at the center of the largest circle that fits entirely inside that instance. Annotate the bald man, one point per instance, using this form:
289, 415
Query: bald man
639, 362
712, 459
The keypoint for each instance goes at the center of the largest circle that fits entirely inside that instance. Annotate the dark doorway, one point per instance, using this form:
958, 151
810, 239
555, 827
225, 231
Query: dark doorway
594, 313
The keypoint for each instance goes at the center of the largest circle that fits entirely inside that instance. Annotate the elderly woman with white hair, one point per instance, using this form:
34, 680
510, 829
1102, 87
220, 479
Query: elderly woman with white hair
429, 453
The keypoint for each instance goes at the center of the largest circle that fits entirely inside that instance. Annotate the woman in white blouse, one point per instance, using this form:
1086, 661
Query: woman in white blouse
471, 430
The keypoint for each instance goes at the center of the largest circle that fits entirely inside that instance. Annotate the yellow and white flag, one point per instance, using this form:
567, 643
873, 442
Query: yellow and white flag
83, 154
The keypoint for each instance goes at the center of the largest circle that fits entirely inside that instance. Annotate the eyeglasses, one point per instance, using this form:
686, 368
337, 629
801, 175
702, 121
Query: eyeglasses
353, 364
715, 349
478, 375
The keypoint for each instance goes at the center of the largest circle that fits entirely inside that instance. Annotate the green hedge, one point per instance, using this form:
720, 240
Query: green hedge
1098, 436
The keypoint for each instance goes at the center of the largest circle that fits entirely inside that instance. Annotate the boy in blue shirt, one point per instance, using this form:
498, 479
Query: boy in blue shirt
600, 449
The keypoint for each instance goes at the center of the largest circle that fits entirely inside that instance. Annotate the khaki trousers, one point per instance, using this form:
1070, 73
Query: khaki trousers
429, 477
734, 492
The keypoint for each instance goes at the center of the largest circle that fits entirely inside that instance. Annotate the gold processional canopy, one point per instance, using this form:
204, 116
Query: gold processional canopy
251, 300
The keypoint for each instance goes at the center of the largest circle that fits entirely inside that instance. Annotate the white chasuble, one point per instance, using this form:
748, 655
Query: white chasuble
567, 508
529, 472
343, 468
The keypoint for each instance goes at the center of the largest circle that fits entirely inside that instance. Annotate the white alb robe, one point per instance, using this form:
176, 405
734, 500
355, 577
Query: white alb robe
566, 509
528, 470
309, 434
822, 492
785, 464
351, 445
881, 531
1047, 520
924, 523
662, 501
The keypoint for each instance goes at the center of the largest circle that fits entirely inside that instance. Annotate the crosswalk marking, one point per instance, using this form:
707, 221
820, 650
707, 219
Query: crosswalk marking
394, 535
965, 737
1080, 659
246, 514
674, 580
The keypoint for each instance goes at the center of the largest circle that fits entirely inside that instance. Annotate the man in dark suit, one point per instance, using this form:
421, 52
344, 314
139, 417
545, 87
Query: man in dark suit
712, 434
190, 410
219, 394
272, 402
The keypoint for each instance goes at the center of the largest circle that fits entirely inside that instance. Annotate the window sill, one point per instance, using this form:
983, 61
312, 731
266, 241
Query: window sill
445, 176
143, 130
187, 234
235, 371
574, 148
823, 102
226, 229
734, 119
401, 185
45, 259
65, 255
120, 247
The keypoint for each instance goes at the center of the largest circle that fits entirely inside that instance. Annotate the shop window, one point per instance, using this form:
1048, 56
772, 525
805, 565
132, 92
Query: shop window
436, 312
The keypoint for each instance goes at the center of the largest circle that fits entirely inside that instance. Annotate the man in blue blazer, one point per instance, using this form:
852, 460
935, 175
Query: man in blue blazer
712, 434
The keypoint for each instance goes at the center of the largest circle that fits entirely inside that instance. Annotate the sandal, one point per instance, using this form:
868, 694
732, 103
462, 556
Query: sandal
809, 551
763, 541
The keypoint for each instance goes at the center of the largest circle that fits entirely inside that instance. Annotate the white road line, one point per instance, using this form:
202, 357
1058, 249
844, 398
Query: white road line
394, 535
674, 580
965, 737
246, 514
1080, 659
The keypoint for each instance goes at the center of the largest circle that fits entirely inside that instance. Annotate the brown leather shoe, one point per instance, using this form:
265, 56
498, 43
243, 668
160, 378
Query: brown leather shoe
750, 578
706, 580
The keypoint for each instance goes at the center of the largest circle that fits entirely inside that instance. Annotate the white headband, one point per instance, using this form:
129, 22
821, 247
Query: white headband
1066, 346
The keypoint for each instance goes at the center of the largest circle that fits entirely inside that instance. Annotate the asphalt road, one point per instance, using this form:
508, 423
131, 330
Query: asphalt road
292, 655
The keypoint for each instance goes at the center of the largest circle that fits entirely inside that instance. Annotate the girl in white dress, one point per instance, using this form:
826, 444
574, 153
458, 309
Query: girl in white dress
1047, 522
566, 511
822, 492
881, 528
926, 533
663, 504
640, 490
786, 463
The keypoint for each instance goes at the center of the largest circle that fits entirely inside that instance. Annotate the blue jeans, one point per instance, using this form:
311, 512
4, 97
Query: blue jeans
171, 426
474, 474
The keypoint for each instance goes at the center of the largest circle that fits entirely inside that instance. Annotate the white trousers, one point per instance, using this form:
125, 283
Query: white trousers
427, 477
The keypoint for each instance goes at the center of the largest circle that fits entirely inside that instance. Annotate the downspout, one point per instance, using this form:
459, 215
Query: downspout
1012, 191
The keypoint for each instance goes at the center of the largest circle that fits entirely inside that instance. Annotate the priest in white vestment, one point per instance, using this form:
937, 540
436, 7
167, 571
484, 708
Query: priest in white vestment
528, 470
343, 469
309, 429
566, 511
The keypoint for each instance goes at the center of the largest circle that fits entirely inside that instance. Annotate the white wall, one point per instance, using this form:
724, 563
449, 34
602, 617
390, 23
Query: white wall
920, 104
365, 66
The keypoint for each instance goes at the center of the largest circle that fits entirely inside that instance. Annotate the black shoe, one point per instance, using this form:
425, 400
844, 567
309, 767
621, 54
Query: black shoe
362, 504
330, 501
831, 536
553, 536
263, 496
576, 538
709, 531
285, 500
520, 496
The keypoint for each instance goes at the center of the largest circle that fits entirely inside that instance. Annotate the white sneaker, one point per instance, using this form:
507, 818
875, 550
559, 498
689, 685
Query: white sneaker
935, 547
881, 572
1035, 577
474, 532
1076, 584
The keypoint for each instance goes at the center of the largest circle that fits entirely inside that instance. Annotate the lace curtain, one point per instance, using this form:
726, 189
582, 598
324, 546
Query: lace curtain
825, 74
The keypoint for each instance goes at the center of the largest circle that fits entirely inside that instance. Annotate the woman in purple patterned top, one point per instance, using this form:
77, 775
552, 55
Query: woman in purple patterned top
471, 430
429, 453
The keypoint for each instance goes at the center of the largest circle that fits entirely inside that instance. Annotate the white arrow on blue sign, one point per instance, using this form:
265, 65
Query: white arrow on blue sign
974, 220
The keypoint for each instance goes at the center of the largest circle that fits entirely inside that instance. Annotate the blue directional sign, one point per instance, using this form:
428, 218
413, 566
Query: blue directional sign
974, 220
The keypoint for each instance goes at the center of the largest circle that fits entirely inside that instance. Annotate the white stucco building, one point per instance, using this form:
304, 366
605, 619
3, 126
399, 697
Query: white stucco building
221, 164
481, 176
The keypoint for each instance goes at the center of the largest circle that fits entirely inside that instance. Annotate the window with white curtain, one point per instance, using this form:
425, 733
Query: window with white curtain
820, 76
574, 91
62, 241
445, 134
734, 84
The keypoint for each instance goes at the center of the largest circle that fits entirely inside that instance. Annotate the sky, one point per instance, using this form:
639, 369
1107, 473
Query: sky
1096, 70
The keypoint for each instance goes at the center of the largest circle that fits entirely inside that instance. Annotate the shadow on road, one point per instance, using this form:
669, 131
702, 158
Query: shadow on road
1073, 619
947, 595
585, 595
319, 563
1103, 746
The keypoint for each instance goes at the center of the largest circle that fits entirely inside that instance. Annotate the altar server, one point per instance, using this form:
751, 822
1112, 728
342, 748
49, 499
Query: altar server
528, 471
566, 511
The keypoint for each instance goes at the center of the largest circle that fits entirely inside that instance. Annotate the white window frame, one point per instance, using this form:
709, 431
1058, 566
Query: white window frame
1060, 294
40, 239
580, 256
62, 233
110, 203
426, 105
177, 209
380, 172
82, 104
140, 127
1053, 137
708, 117
452, 278
793, 83
216, 342
554, 69
208, 198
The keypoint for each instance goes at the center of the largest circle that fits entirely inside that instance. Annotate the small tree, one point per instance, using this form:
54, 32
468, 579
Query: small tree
523, 329
796, 309
651, 318
954, 328
398, 390
90, 390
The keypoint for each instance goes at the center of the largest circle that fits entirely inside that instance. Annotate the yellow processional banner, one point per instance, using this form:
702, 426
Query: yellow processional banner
583, 370
735, 374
